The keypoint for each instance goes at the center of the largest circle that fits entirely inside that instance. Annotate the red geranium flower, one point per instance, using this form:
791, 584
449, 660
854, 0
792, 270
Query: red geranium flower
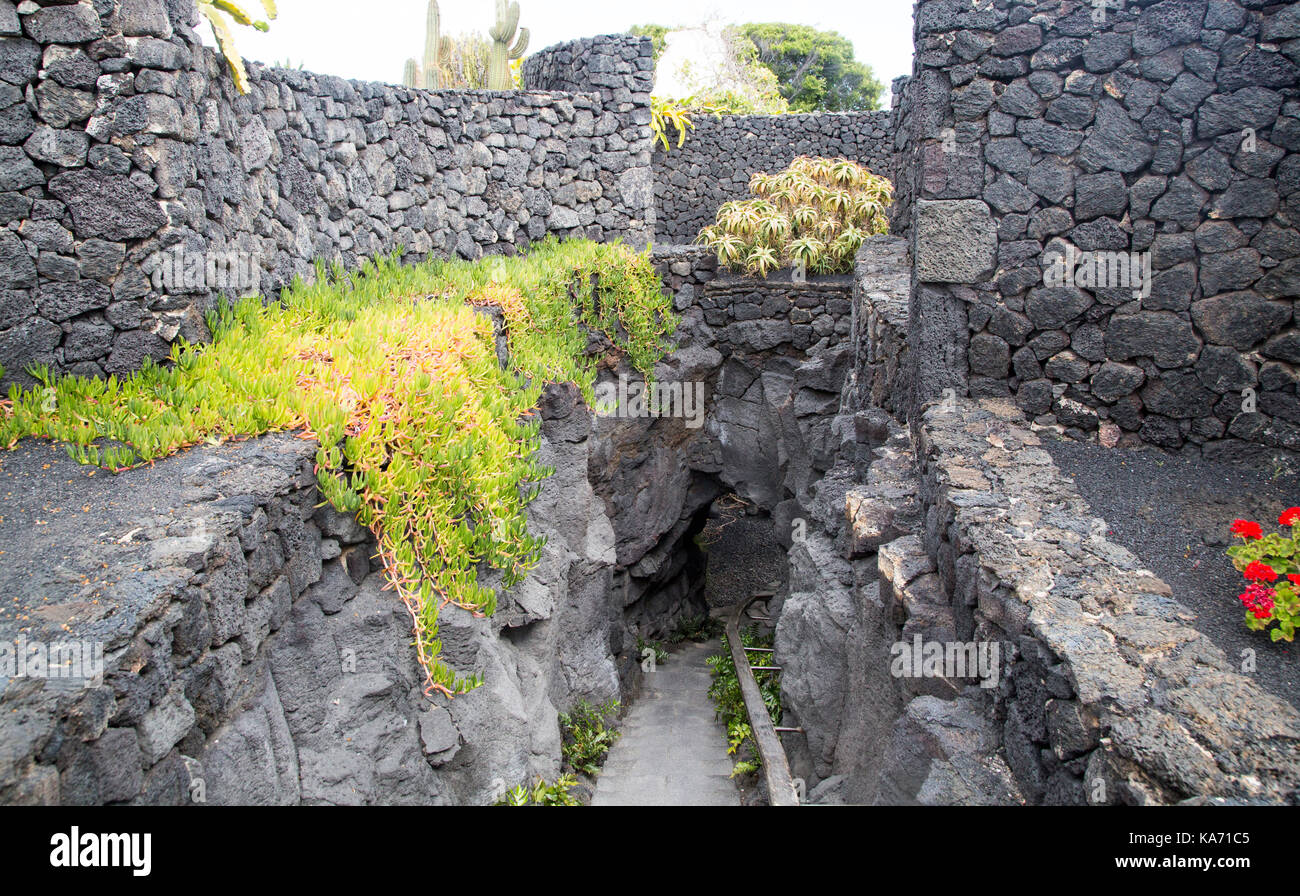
1295, 579
1290, 516
1260, 572
1258, 599
1246, 529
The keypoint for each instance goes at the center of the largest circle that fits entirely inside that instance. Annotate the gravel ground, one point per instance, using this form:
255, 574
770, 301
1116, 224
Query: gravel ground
1173, 512
744, 556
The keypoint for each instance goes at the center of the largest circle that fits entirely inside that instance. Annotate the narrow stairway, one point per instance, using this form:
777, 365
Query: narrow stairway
672, 751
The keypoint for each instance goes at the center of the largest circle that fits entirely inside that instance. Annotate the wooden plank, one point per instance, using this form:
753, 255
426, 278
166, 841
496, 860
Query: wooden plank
776, 768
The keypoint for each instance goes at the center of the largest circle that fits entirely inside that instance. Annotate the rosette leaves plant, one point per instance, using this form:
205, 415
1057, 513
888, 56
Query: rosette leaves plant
816, 213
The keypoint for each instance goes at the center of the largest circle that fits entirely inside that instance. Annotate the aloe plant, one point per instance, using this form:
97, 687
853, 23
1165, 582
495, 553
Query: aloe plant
816, 213
502, 51
216, 12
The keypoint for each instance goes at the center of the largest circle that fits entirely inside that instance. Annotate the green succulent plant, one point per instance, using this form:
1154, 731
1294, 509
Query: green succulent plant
816, 213
422, 433
499, 77
216, 12
437, 49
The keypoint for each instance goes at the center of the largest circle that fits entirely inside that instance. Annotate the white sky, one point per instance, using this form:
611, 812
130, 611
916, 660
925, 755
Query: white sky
370, 40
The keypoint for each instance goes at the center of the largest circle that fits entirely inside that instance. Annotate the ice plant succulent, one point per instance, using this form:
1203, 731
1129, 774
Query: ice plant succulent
422, 433
1270, 565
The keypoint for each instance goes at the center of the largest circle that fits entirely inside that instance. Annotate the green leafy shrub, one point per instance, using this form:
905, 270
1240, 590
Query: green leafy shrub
695, 628
422, 433
587, 736
642, 645
542, 794
729, 702
816, 213
816, 70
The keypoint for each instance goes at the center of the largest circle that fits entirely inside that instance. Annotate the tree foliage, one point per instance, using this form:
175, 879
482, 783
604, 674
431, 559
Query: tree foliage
816, 69
656, 34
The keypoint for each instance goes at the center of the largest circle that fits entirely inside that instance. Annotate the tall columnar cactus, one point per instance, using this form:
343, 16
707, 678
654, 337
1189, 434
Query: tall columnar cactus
502, 52
433, 47
436, 48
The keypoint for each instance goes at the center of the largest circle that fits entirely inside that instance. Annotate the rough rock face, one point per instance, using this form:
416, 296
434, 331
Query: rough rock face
276, 668
881, 306
1100, 691
963, 533
720, 155
1164, 132
252, 655
135, 186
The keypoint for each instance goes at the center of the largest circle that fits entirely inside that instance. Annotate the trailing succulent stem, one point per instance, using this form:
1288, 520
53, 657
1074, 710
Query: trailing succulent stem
422, 433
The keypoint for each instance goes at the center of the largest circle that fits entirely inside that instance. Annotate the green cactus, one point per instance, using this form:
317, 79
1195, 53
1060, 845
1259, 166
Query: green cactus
502, 52
433, 48
436, 50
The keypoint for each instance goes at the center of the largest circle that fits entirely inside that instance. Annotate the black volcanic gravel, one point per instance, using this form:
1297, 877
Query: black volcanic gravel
1173, 512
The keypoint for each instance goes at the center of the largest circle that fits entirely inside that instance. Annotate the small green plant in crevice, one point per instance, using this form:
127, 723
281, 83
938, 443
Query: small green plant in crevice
729, 703
695, 628
815, 214
587, 736
542, 794
660, 654
422, 433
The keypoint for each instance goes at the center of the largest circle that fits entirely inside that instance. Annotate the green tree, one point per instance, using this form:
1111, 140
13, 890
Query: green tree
816, 69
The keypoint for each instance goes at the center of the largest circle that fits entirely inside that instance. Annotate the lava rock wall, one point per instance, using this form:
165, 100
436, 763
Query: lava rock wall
1170, 128
136, 184
721, 153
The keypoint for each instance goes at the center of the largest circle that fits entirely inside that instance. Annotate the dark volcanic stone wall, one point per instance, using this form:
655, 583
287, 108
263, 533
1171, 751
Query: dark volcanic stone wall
1171, 128
721, 153
122, 137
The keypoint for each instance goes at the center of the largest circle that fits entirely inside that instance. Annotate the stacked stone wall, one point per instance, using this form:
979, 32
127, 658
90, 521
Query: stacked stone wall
1164, 132
136, 185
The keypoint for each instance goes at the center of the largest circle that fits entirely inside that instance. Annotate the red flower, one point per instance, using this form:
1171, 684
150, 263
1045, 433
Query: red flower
1290, 516
1295, 579
1246, 529
1260, 572
1259, 600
